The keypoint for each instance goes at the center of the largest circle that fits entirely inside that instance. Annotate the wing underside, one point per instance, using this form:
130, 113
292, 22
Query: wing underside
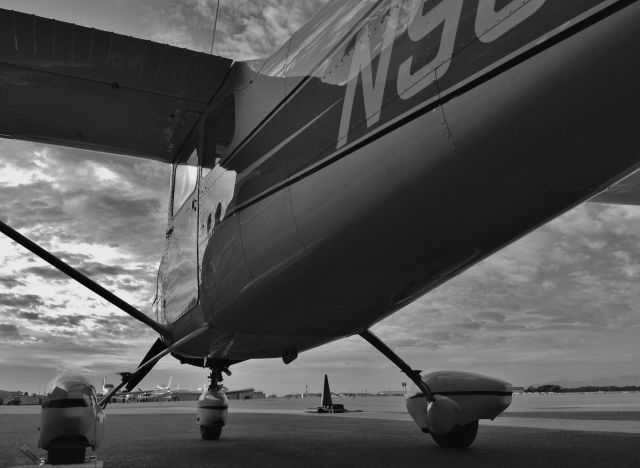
75, 86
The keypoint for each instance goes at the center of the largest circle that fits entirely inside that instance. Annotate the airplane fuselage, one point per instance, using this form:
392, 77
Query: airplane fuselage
385, 148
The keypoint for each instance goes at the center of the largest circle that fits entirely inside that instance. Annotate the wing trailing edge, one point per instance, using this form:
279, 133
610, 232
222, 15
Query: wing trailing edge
70, 85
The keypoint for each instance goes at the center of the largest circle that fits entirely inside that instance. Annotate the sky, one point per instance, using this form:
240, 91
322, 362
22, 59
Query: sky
560, 305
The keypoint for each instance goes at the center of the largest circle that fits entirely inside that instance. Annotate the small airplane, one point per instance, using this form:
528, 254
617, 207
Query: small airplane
159, 392
386, 147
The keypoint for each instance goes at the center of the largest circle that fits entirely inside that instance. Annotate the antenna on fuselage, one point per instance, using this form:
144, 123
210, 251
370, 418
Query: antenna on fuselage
215, 25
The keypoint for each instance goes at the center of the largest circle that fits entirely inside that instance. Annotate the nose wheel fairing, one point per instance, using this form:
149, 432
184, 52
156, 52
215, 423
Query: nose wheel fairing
212, 407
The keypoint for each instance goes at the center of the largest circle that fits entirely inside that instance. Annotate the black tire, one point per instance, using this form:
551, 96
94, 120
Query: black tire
65, 455
460, 436
210, 432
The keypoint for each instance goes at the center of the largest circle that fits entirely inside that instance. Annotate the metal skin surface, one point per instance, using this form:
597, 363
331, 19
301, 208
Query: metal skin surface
424, 140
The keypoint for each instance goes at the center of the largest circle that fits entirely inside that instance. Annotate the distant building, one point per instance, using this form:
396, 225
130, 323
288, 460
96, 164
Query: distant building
244, 394
19, 398
31, 399
518, 390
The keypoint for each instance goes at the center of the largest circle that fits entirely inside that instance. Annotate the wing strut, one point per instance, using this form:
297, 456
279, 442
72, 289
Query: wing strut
155, 349
413, 374
83, 279
145, 367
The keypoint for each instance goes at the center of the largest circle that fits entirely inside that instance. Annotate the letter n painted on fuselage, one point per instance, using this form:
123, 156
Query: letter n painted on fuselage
361, 66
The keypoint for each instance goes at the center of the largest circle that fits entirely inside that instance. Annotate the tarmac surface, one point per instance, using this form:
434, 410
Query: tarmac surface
165, 434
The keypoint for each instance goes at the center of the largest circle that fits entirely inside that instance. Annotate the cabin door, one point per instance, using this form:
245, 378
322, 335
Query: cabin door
180, 278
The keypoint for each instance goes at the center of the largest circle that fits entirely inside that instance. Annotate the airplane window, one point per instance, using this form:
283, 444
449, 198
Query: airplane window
219, 130
185, 181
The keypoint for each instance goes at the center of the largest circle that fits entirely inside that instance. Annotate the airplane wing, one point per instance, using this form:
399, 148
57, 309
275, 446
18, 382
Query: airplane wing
75, 86
624, 192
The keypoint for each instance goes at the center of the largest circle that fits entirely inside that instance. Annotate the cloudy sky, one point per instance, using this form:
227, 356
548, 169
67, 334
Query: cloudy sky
560, 305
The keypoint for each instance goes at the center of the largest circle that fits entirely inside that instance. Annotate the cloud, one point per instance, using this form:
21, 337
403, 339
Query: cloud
246, 29
52, 320
11, 282
22, 301
492, 316
105, 215
90, 269
46, 272
31, 316
9, 332
65, 191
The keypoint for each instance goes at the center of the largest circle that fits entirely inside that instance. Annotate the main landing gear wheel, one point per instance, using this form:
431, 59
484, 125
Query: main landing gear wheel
210, 432
459, 437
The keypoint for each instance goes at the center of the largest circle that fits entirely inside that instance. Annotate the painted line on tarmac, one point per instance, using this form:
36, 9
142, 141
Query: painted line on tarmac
582, 425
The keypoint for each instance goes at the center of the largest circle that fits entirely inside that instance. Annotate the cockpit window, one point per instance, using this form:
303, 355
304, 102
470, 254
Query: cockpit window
185, 180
